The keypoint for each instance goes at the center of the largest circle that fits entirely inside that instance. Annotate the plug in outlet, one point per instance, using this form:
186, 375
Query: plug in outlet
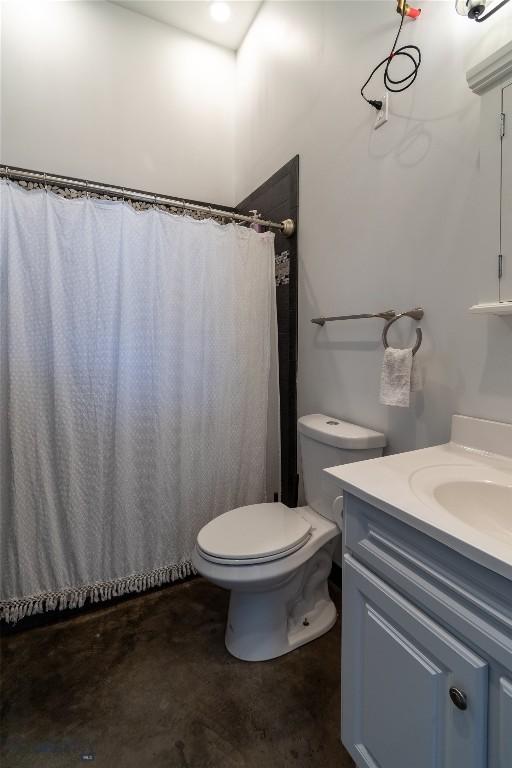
382, 116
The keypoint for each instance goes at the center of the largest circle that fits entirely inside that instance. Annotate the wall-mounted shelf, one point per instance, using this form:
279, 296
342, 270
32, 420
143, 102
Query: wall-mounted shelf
491, 71
492, 308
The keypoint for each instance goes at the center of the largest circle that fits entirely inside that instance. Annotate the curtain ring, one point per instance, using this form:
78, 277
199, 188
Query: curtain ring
419, 333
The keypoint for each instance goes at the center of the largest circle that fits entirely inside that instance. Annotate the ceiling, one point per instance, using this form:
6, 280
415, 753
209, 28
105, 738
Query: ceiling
194, 16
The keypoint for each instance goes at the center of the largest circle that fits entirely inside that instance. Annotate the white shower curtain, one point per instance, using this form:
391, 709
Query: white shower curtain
134, 392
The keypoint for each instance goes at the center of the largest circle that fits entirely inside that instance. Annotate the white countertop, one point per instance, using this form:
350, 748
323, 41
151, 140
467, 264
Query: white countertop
386, 483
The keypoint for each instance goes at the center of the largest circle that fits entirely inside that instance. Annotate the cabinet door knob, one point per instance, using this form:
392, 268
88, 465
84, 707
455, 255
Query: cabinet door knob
459, 698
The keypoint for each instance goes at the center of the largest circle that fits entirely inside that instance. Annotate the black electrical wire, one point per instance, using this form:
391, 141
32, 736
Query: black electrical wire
411, 52
480, 18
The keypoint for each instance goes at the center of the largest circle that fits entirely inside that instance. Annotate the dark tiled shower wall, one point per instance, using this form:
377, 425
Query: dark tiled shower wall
278, 199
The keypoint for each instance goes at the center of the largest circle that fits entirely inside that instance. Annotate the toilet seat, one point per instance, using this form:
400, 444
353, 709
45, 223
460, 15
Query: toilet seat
257, 533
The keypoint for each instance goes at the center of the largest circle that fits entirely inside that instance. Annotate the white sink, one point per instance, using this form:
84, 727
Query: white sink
478, 496
459, 493
482, 505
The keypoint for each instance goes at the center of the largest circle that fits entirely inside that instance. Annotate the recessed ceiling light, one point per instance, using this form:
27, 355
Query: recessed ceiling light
220, 12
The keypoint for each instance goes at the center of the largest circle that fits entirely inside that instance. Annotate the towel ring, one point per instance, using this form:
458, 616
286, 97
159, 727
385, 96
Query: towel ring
416, 314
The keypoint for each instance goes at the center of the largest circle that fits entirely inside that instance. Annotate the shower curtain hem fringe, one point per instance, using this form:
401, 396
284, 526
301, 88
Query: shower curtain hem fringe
16, 609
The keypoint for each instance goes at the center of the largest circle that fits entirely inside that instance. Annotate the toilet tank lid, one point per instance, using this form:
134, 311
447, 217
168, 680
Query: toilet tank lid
340, 434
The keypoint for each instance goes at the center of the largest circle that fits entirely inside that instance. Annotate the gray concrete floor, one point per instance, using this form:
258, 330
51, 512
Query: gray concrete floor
149, 683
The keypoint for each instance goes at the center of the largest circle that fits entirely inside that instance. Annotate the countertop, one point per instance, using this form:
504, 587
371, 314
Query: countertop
386, 483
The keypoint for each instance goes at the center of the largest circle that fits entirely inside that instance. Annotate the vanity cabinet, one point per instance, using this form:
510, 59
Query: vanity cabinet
404, 667
427, 650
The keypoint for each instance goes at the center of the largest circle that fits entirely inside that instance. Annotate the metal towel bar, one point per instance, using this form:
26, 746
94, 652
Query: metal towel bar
388, 314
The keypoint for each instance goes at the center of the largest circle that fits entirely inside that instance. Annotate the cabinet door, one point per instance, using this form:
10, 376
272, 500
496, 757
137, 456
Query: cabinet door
505, 723
398, 667
506, 197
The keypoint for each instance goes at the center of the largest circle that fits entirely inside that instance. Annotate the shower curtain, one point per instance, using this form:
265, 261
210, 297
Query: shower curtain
135, 368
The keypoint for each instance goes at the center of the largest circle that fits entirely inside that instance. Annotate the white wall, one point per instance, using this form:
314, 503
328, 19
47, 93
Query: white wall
1, 60
388, 218
93, 90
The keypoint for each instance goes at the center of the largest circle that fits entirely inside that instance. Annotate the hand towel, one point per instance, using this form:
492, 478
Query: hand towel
399, 377
416, 376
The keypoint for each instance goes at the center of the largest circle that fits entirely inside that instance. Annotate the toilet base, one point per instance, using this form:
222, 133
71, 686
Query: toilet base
265, 625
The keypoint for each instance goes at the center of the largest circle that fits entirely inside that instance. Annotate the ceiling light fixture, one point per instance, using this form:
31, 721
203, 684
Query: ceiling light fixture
220, 12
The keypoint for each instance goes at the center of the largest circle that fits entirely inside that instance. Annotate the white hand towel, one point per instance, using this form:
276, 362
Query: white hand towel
399, 377
416, 376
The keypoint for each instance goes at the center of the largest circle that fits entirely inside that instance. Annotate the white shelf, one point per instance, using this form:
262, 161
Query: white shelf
491, 71
492, 308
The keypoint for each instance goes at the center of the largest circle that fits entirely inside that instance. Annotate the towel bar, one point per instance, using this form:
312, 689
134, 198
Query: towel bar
388, 314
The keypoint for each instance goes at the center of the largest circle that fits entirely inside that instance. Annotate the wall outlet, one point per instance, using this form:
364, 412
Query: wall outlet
382, 116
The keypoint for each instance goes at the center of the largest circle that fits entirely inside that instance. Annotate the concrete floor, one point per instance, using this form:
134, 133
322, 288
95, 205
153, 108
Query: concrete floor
148, 683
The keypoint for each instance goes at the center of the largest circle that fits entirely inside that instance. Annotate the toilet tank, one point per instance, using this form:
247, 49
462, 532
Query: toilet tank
327, 442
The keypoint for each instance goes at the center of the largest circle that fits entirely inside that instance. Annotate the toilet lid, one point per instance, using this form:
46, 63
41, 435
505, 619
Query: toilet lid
254, 532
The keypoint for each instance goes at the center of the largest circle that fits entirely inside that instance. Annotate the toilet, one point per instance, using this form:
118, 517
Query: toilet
276, 560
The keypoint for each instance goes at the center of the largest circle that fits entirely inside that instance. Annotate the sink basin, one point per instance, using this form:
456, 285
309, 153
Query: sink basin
483, 505
478, 497
458, 493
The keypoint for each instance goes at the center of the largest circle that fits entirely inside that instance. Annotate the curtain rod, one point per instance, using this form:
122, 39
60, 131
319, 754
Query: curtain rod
287, 227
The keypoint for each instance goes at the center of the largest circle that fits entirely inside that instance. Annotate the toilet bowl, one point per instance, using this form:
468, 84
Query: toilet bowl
276, 560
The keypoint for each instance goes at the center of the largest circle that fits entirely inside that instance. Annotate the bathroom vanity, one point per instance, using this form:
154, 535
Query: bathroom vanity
427, 604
